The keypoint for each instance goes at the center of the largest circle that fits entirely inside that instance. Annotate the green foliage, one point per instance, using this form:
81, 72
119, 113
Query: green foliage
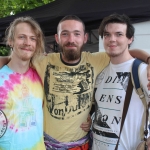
4, 51
12, 7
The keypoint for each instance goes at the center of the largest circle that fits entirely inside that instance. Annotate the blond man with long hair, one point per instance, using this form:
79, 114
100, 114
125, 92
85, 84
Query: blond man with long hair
21, 91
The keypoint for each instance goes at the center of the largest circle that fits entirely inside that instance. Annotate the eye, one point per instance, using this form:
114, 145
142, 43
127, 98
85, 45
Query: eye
64, 34
77, 34
106, 35
119, 34
33, 39
21, 37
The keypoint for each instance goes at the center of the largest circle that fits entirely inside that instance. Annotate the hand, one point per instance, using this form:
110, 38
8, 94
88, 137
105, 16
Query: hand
148, 76
86, 125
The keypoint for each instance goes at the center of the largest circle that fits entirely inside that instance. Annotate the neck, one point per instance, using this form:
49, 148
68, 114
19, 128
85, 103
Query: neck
19, 66
121, 58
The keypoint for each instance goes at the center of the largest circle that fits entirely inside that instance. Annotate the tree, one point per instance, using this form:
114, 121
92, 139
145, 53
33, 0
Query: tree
12, 7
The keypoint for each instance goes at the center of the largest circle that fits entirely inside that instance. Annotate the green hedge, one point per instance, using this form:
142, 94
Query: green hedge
4, 51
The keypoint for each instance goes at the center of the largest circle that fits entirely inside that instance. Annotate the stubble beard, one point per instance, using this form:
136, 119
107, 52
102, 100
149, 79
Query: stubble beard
111, 54
26, 57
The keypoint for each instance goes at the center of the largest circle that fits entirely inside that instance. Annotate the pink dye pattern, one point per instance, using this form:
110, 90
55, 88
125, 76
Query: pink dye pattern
32, 74
16, 130
15, 78
11, 127
3, 93
3, 97
8, 86
2, 106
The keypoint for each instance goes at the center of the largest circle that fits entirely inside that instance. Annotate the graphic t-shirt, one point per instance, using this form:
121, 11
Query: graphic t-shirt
21, 115
69, 91
111, 86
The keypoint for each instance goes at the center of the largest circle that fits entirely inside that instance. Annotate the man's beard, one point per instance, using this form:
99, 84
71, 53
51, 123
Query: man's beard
71, 54
26, 57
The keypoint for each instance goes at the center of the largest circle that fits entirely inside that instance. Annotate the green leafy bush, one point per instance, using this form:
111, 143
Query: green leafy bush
4, 51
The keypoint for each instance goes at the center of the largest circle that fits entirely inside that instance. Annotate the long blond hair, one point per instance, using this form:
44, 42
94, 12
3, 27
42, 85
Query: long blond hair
10, 32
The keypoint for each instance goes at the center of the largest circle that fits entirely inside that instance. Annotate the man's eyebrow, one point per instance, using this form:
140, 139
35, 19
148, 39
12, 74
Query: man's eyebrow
65, 31
77, 31
21, 34
115, 32
106, 32
119, 32
71, 31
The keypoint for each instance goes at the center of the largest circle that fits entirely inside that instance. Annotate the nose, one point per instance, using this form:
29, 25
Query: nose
112, 38
71, 38
27, 41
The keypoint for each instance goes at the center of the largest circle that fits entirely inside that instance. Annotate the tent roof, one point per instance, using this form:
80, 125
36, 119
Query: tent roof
90, 11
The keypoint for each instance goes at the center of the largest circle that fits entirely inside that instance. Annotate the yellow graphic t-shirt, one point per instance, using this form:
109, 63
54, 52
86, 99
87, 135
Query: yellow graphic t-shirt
68, 92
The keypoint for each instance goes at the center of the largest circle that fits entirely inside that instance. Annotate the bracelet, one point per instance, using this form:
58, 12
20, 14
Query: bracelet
147, 59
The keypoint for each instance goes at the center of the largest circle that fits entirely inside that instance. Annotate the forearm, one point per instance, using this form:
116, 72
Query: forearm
4, 60
140, 54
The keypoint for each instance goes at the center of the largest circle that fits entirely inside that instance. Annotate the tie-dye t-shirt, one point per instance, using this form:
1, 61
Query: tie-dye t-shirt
21, 115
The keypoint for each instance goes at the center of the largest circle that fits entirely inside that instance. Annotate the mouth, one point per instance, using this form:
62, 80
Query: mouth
112, 46
25, 49
70, 45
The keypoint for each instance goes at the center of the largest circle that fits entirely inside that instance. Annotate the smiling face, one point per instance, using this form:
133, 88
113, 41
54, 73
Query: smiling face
24, 42
71, 38
115, 40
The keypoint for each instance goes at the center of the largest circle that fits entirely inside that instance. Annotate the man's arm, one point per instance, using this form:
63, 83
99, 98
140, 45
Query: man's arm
140, 54
4, 60
144, 56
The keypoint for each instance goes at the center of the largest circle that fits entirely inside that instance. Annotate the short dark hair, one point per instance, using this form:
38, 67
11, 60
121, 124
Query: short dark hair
116, 18
71, 17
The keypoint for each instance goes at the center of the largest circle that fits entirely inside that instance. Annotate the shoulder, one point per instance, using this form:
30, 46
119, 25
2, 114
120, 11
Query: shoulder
44, 59
96, 56
53, 55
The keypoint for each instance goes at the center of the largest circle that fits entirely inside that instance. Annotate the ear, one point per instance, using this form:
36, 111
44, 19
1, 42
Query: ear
57, 38
10, 43
131, 40
85, 38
